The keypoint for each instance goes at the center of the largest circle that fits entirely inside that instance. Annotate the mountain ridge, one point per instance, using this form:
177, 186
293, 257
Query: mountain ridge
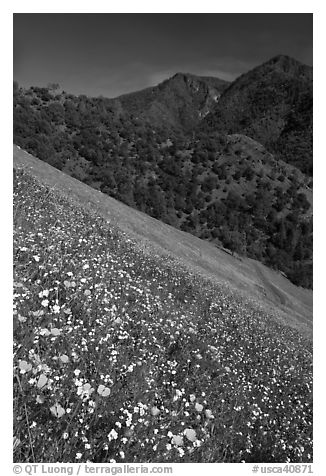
271, 103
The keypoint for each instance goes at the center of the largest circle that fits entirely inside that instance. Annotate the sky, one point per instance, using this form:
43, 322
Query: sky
112, 54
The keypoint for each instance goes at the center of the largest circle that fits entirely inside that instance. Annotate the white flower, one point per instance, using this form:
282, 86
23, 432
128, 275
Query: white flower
177, 440
209, 414
113, 435
44, 293
103, 391
45, 303
37, 258
190, 434
57, 410
78, 455
85, 390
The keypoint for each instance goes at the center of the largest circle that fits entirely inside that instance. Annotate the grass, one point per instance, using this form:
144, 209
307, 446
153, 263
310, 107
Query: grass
120, 356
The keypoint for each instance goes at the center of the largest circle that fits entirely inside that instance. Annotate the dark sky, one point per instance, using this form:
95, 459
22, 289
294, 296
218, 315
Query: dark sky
111, 54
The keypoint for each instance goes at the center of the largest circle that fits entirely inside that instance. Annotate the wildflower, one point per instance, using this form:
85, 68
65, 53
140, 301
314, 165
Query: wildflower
42, 381
79, 455
64, 358
45, 303
190, 434
24, 366
38, 313
103, 391
155, 411
113, 435
181, 452
177, 440
44, 293
85, 390
37, 258
199, 407
57, 410
56, 309
209, 414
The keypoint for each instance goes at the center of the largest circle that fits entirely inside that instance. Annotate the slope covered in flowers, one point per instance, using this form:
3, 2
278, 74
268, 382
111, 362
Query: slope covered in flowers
121, 356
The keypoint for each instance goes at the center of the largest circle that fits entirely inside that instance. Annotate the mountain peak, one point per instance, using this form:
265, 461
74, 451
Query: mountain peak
289, 65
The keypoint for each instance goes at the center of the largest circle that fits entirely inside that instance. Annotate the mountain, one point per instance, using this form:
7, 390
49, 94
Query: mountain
155, 151
272, 104
179, 102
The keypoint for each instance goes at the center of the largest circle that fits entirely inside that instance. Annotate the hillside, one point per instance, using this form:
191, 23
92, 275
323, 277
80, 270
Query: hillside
200, 256
272, 104
130, 347
225, 188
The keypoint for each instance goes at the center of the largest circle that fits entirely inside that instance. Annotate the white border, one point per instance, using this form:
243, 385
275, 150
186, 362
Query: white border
168, 6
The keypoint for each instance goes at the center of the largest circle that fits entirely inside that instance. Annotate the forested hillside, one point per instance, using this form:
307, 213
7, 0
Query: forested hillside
220, 185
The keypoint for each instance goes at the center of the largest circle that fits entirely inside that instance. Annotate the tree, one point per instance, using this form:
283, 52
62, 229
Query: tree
53, 86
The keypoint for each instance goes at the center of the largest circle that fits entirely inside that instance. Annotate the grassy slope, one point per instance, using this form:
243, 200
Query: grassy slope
124, 356
293, 305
